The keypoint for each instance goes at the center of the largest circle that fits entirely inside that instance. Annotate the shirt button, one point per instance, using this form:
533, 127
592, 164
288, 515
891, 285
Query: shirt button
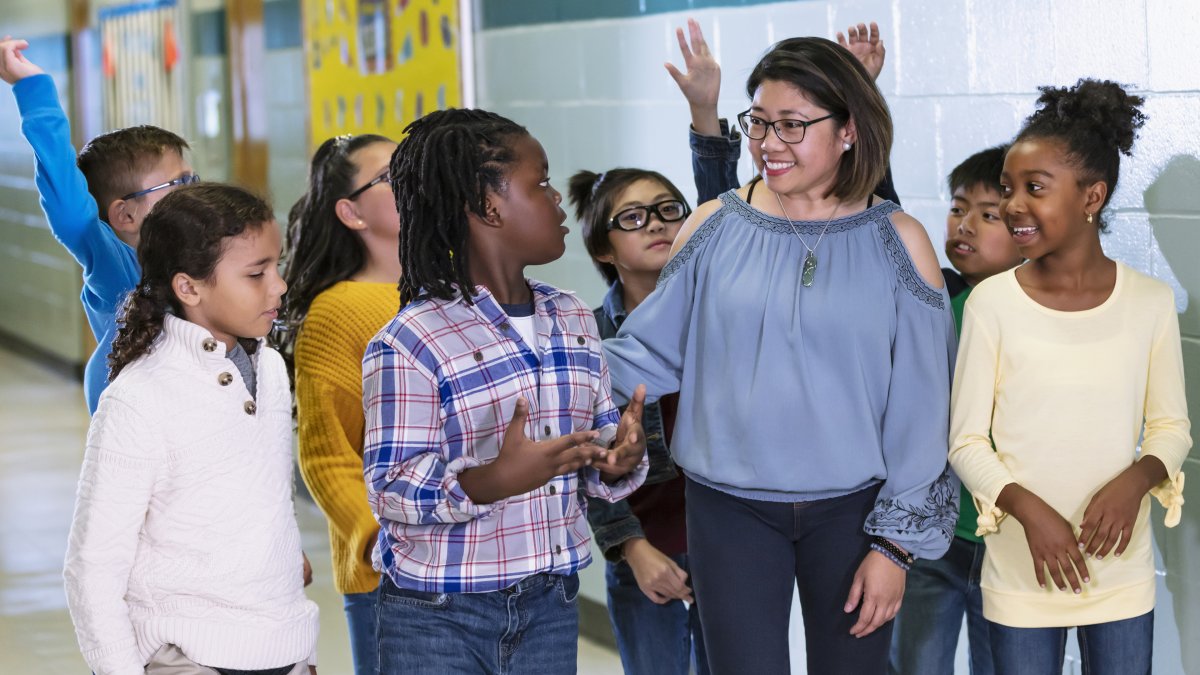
209, 345
505, 326
478, 356
558, 550
250, 407
224, 379
547, 430
581, 340
553, 490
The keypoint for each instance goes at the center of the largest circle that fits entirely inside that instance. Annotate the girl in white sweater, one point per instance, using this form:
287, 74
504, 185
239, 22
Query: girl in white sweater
184, 555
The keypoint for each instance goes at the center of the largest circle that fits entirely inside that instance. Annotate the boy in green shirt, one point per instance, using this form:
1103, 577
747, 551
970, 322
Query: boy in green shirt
939, 592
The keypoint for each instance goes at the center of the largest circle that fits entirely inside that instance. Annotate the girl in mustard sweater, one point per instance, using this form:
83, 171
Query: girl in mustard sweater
1066, 362
342, 270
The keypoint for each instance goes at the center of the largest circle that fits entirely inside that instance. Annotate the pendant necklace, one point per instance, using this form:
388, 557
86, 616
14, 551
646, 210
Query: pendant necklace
808, 272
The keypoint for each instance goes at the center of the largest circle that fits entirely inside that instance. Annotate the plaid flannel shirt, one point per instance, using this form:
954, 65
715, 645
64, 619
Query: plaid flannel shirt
440, 384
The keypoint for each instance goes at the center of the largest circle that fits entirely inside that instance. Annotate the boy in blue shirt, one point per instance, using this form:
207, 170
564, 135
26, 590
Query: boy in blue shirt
94, 203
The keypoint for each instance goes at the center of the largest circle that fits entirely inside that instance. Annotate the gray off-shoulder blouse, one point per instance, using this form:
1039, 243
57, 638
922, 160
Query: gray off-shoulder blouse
793, 393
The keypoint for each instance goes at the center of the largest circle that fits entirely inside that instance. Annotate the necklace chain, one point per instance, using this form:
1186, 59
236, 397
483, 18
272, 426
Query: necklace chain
813, 248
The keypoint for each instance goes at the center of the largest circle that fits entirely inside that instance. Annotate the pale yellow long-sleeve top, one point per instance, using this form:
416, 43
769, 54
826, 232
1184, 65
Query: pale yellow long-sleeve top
329, 410
1066, 396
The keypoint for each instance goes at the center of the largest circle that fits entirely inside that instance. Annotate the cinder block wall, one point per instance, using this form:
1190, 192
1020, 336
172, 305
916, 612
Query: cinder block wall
587, 79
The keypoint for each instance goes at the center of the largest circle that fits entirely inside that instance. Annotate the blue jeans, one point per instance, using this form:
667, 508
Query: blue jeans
362, 619
530, 628
1114, 648
936, 595
653, 639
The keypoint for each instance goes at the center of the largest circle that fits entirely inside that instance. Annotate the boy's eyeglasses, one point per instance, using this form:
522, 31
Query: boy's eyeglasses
637, 217
788, 131
373, 182
185, 179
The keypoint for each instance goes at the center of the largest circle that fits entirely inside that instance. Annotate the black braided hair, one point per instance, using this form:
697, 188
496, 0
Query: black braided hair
443, 170
1097, 122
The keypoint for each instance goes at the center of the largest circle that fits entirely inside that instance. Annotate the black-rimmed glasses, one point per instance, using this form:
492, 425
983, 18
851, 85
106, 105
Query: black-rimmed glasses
372, 183
185, 179
788, 131
637, 217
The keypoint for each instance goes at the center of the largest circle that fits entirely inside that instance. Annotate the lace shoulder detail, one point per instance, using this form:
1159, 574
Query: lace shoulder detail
906, 272
876, 213
697, 241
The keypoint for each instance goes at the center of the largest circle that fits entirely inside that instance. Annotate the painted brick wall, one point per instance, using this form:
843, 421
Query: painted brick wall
960, 76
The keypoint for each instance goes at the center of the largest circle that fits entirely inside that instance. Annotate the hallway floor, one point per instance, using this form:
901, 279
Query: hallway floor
43, 424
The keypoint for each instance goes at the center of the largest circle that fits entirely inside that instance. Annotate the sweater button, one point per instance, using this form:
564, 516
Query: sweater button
209, 345
224, 379
250, 408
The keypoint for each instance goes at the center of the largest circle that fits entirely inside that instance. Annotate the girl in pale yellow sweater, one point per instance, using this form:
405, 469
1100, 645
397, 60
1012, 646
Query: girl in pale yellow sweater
342, 270
1066, 362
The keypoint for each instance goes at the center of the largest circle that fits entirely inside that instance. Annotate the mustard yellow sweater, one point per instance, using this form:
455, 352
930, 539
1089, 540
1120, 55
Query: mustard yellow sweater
1066, 396
329, 351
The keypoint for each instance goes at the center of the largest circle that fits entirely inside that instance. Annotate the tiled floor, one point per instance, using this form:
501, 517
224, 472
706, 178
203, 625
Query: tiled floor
43, 423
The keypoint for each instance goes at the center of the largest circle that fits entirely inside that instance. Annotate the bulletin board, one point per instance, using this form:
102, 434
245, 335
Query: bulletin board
374, 66
140, 56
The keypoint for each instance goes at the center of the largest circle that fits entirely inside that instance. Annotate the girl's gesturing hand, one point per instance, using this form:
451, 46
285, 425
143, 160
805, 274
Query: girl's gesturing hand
1110, 516
13, 64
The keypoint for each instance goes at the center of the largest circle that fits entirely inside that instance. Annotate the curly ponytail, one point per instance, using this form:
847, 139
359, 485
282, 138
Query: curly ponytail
183, 234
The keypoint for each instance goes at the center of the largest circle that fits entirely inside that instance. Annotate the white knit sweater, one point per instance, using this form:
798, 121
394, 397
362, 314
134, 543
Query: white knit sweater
184, 529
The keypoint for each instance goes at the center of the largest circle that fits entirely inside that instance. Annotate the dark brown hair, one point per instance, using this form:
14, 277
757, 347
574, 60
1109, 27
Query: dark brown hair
1096, 121
113, 163
981, 169
185, 233
594, 195
320, 250
830, 76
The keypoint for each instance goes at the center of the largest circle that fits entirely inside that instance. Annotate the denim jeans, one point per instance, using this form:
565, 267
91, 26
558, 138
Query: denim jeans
362, 620
936, 595
1115, 648
653, 639
530, 628
747, 555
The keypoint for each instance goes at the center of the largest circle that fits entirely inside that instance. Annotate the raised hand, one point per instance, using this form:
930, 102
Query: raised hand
524, 464
658, 577
866, 46
13, 64
1050, 537
701, 84
1110, 516
630, 444
878, 587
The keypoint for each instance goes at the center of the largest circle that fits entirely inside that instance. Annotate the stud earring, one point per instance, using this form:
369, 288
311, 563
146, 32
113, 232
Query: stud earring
846, 147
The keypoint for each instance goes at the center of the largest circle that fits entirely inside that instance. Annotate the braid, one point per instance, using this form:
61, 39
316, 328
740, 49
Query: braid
442, 171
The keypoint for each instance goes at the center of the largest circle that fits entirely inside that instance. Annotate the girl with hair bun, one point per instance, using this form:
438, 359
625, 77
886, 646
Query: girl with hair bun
1066, 362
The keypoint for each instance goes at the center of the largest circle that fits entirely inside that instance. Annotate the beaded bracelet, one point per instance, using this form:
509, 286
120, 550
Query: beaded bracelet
892, 552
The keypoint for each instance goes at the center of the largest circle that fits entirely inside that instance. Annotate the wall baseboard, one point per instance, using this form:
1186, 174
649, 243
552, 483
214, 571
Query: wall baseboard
54, 362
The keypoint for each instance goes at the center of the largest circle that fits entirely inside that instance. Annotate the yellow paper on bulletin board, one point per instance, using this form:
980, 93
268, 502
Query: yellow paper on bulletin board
374, 66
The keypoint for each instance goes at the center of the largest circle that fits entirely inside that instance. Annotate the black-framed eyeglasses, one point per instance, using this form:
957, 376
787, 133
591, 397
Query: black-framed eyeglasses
637, 217
185, 179
788, 131
383, 178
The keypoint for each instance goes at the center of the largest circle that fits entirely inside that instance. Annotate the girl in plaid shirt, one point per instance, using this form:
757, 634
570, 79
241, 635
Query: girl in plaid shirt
488, 414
